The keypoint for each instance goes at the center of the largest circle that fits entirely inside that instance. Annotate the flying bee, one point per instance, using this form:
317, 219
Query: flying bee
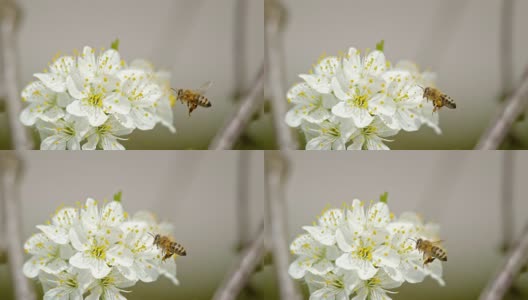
431, 250
194, 98
439, 99
168, 246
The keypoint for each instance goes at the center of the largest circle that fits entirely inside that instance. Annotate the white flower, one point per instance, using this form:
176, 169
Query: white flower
310, 105
313, 257
371, 137
97, 251
324, 71
366, 92
61, 223
328, 223
63, 134
167, 100
47, 256
60, 69
95, 100
106, 136
44, 104
66, 285
331, 286
109, 287
331, 134
407, 97
355, 85
375, 287
358, 253
141, 94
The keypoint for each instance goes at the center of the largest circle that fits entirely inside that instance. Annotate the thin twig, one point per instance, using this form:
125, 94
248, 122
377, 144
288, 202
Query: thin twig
506, 46
507, 200
275, 83
242, 208
10, 195
19, 135
516, 259
276, 169
239, 47
241, 273
501, 124
228, 135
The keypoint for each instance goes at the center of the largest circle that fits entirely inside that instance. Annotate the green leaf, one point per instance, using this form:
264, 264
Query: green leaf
384, 197
380, 46
117, 196
115, 45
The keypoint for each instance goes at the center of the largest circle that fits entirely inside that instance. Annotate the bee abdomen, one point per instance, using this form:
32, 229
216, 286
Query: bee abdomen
203, 101
178, 249
440, 254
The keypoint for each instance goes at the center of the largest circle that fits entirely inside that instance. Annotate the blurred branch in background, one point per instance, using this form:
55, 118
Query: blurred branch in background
515, 260
235, 125
9, 13
11, 173
239, 277
239, 47
506, 47
507, 200
243, 217
274, 14
276, 170
502, 123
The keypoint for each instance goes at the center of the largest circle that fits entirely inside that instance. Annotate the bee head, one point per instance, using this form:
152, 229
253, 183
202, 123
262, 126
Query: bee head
427, 90
419, 243
156, 238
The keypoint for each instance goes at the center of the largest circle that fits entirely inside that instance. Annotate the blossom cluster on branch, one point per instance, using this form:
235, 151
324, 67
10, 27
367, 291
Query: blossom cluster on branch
96, 252
96, 100
350, 252
353, 102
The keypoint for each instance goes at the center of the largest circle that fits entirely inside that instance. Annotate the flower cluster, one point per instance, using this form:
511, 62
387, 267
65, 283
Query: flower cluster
99, 252
96, 100
356, 103
350, 252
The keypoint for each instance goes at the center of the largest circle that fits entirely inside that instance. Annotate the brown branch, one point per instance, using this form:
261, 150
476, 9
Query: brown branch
516, 259
241, 273
10, 195
239, 46
228, 135
501, 124
507, 200
276, 215
242, 208
274, 12
19, 135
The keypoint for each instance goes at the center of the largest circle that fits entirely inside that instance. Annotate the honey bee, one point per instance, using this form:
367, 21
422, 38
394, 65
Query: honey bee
431, 250
168, 246
194, 98
439, 99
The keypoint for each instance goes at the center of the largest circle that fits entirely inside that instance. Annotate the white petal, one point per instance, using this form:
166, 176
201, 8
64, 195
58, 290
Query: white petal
293, 117
96, 116
31, 267
54, 142
55, 266
143, 119
55, 233
361, 117
52, 81
322, 267
385, 256
323, 142
318, 82
74, 108
29, 115
297, 268
119, 255
365, 269
52, 114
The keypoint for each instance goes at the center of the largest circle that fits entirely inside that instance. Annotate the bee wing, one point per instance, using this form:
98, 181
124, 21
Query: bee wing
437, 243
201, 90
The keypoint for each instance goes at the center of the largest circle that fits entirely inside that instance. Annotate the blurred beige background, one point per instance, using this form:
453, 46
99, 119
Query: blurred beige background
191, 38
460, 190
457, 39
194, 190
